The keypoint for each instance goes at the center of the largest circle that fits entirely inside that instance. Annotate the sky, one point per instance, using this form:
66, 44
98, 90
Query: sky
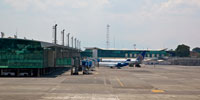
152, 24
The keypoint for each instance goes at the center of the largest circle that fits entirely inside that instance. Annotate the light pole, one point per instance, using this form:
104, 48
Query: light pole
80, 45
72, 41
55, 33
68, 39
75, 43
63, 35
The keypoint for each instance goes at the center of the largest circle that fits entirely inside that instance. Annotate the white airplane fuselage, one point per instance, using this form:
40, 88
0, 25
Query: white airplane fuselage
112, 62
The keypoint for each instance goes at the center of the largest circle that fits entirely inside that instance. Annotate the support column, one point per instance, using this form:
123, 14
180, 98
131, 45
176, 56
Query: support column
72, 67
44, 71
72, 72
31, 73
0, 72
17, 73
76, 66
38, 72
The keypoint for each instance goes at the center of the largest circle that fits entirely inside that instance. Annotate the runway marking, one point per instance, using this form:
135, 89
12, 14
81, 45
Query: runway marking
158, 91
118, 80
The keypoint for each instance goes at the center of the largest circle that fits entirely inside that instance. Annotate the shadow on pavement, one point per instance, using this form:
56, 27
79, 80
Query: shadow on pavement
57, 72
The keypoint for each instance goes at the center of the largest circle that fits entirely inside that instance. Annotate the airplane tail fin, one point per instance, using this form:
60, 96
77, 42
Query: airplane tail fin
141, 56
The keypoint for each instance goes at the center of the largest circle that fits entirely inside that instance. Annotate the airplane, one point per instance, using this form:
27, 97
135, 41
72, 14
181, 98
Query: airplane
123, 62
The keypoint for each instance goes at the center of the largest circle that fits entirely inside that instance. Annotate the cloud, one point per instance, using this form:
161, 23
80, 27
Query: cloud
22, 4
46, 4
171, 7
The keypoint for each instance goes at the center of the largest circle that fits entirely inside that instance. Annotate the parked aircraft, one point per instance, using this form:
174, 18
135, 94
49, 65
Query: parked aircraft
111, 62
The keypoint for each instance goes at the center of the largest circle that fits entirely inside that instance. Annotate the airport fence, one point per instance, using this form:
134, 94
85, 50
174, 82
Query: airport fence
188, 61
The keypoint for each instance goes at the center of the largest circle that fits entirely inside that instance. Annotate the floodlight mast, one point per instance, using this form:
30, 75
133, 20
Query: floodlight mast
72, 41
55, 33
75, 43
63, 35
80, 45
68, 39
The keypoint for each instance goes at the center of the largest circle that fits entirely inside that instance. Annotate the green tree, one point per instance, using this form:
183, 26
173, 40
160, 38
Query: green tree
197, 49
182, 51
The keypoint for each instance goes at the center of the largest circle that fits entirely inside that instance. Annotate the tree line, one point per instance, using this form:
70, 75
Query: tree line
184, 51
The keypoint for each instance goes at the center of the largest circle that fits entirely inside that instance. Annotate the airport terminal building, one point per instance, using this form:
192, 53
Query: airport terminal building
33, 57
121, 53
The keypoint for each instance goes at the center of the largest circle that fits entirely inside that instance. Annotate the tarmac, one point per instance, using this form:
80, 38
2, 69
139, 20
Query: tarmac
160, 82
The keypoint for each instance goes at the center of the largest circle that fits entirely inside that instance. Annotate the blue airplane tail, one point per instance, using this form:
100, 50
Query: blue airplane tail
141, 56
